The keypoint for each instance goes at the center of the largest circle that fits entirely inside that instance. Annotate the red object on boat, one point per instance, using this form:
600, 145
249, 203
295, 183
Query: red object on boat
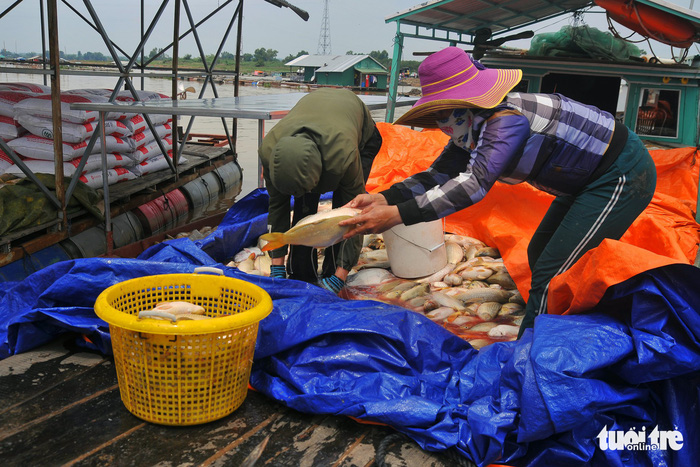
162, 213
651, 22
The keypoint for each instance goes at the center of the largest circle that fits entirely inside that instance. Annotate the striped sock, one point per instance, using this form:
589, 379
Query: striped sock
278, 272
332, 283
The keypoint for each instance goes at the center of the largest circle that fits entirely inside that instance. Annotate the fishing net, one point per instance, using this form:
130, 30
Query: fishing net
584, 42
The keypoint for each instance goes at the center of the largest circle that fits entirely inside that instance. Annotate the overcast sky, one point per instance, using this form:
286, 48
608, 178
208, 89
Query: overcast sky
355, 25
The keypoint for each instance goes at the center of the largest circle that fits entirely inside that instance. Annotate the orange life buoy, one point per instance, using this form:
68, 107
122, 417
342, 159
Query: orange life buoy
650, 22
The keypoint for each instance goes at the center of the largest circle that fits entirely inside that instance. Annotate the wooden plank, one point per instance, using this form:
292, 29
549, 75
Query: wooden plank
66, 434
83, 383
192, 445
63, 408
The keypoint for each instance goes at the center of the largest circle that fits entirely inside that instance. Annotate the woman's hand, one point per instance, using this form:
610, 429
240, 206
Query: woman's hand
365, 200
375, 218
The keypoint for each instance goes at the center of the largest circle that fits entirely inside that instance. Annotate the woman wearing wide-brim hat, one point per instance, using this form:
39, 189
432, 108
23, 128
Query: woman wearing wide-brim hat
600, 172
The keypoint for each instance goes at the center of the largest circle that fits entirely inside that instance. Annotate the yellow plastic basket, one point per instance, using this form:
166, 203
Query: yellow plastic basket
184, 372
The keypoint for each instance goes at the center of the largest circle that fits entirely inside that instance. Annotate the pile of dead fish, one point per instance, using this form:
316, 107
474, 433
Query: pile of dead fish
473, 296
252, 260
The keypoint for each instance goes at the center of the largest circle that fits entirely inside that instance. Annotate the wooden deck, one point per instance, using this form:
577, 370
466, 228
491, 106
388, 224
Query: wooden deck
61, 406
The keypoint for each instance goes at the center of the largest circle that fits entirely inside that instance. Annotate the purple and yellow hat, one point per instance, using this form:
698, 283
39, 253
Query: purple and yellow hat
449, 79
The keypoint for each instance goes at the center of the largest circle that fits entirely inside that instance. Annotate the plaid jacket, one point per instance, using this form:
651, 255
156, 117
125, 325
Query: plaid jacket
547, 140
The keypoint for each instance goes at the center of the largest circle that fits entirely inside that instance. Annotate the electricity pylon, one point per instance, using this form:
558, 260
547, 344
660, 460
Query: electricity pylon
324, 38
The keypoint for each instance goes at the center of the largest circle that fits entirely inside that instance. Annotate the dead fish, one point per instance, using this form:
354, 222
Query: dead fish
417, 291
494, 264
375, 264
438, 276
510, 309
317, 230
488, 251
375, 255
440, 314
179, 308
404, 286
476, 273
503, 279
453, 291
472, 308
465, 321
392, 295
373, 242
517, 297
446, 300
488, 310
160, 314
483, 327
453, 279
477, 285
464, 240
192, 316
439, 285
504, 330
430, 305
463, 265
418, 301
262, 263
389, 285
245, 254
455, 253
372, 276
484, 295
470, 252
247, 265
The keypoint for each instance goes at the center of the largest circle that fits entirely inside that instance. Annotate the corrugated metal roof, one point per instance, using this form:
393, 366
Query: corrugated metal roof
330, 63
468, 16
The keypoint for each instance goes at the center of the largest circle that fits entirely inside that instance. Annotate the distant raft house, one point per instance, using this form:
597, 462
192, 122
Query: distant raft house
361, 71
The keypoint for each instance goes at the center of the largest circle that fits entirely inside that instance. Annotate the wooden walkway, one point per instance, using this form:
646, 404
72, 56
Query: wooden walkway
60, 406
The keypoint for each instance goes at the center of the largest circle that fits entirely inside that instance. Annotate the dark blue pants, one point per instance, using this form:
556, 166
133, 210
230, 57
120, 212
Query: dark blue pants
574, 224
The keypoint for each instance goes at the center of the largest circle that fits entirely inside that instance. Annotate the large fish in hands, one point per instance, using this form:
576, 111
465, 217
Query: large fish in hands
318, 230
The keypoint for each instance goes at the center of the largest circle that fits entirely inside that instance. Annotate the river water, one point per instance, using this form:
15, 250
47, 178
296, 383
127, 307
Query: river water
247, 142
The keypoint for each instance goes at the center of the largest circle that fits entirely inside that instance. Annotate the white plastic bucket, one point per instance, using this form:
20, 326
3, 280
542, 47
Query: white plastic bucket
416, 250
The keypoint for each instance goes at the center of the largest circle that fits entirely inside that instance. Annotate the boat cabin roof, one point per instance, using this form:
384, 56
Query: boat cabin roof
449, 19
630, 90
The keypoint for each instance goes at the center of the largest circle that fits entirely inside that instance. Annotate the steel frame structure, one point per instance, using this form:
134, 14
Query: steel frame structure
137, 66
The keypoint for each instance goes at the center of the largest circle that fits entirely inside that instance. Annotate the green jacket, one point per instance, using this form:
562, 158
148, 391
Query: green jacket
340, 125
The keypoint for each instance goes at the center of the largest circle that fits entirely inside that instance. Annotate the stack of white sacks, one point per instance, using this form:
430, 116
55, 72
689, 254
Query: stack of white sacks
132, 149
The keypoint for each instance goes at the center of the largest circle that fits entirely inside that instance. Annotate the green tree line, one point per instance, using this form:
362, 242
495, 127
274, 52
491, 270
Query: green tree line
261, 57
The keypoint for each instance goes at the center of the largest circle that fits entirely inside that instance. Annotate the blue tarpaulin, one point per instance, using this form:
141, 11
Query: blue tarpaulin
629, 366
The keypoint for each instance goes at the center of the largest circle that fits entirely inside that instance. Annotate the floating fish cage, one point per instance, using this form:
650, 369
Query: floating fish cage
183, 372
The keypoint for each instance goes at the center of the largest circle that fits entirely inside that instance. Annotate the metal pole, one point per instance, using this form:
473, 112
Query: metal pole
105, 186
176, 50
43, 40
236, 81
143, 32
261, 135
395, 67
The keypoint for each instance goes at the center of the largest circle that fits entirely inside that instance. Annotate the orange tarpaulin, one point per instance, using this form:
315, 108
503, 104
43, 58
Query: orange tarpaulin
665, 233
